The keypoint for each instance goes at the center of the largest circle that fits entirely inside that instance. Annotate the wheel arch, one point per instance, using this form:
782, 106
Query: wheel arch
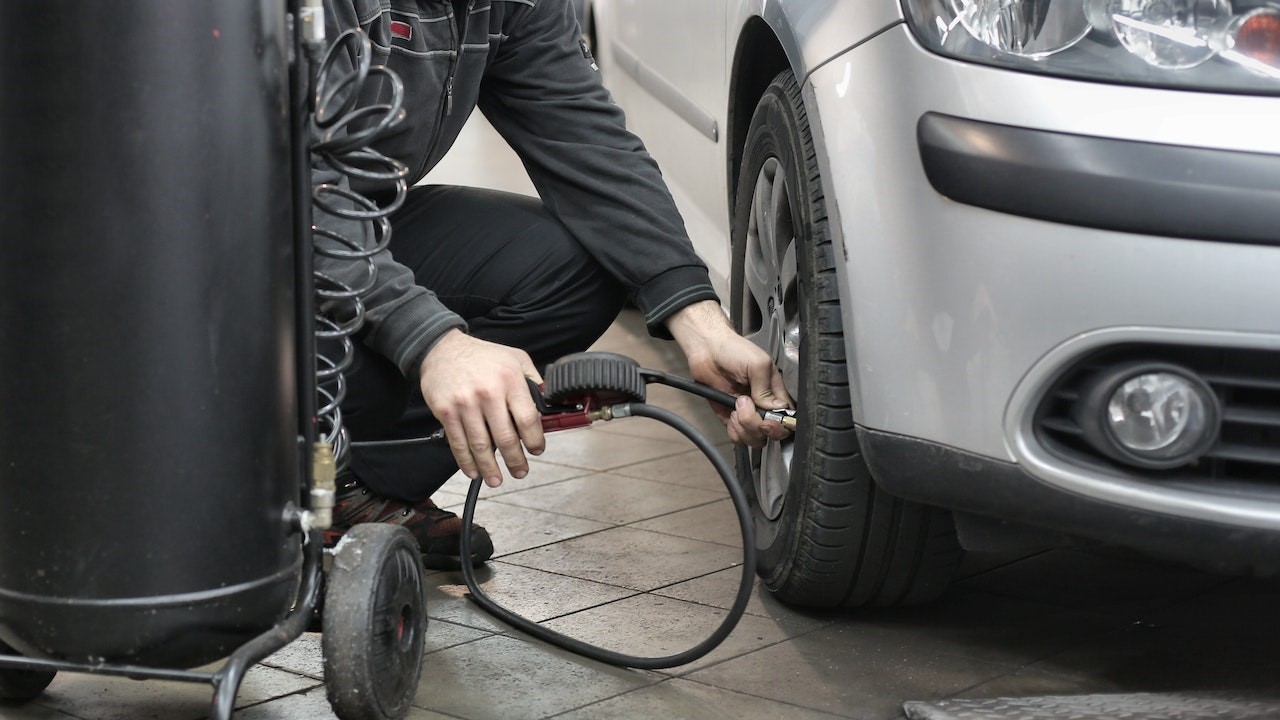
757, 59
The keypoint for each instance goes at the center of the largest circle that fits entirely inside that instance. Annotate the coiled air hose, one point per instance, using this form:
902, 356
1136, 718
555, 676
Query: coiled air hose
342, 131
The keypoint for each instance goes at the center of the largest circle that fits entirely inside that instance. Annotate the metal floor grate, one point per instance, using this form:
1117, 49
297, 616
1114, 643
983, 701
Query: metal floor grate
1135, 706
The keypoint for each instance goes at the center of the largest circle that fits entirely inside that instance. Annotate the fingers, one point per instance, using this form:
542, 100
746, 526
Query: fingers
481, 447
767, 387
528, 422
746, 427
456, 434
505, 420
479, 391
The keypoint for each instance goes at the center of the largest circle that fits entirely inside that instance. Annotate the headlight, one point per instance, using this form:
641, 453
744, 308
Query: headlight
1026, 29
1230, 45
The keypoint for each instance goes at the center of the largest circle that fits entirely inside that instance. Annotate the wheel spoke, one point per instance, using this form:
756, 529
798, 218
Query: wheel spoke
788, 357
780, 215
788, 273
760, 271
774, 477
763, 210
758, 277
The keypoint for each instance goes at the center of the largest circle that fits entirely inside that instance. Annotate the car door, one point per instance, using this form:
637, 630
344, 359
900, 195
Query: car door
666, 66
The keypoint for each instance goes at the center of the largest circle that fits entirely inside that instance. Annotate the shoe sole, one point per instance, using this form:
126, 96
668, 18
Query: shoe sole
479, 556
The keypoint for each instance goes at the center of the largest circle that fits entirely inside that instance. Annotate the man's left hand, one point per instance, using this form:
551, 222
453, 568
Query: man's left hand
720, 357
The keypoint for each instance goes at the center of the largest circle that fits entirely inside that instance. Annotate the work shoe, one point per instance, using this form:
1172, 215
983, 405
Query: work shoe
437, 531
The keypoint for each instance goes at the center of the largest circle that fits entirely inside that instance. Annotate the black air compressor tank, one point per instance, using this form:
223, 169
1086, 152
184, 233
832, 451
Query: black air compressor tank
148, 438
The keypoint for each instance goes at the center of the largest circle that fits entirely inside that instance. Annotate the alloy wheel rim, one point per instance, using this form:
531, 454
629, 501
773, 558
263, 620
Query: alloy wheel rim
771, 315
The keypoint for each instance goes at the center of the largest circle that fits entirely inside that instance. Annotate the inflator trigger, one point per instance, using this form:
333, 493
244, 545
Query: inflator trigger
578, 410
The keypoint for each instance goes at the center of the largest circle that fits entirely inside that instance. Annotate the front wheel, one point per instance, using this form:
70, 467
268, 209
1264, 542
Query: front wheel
827, 536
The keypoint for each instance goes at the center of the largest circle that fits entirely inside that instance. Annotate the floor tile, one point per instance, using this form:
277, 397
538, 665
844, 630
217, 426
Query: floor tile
630, 558
536, 594
442, 634
1102, 583
976, 563
609, 498
1030, 682
503, 678
842, 670
1243, 608
31, 711
312, 705
690, 468
715, 522
1148, 658
719, 589
979, 626
99, 697
653, 626
447, 600
302, 656
514, 528
687, 700
593, 450
540, 473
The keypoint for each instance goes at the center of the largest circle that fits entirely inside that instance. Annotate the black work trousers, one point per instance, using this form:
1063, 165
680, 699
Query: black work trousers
514, 273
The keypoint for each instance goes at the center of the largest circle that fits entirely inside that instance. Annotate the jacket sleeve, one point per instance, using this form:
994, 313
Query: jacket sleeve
402, 319
544, 97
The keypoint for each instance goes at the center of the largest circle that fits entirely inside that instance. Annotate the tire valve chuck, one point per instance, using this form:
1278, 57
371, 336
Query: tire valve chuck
786, 418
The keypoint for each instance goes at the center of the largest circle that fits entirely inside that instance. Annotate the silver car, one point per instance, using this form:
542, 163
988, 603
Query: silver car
1017, 260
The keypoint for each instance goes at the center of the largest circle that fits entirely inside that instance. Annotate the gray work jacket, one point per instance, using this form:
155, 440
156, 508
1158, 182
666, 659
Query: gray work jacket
523, 64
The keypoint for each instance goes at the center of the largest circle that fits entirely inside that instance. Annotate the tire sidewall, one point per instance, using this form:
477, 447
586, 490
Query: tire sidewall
776, 132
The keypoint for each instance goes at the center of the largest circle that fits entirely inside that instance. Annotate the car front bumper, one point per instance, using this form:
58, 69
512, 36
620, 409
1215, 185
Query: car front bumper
997, 226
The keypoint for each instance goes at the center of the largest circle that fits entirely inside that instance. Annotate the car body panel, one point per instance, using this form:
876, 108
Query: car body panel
813, 31
972, 298
662, 56
662, 94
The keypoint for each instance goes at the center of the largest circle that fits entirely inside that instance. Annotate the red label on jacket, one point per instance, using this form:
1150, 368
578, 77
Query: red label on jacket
402, 30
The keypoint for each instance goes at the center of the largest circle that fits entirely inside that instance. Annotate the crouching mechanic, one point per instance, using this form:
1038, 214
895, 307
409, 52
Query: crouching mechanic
479, 289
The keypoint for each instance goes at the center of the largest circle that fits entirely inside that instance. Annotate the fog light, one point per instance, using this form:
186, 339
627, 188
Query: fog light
1150, 415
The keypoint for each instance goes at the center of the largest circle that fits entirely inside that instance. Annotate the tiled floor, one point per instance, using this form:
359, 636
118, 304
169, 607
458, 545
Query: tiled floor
622, 535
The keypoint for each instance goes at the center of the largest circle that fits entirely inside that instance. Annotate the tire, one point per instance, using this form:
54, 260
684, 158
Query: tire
22, 685
374, 624
827, 536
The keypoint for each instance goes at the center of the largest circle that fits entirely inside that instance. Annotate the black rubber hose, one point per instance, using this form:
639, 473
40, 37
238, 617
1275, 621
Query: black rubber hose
689, 386
595, 652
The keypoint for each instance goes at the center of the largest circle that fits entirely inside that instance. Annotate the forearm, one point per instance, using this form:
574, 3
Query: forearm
695, 326
546, 100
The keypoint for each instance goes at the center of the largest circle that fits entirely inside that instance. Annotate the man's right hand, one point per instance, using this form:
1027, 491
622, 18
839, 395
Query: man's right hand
478, 392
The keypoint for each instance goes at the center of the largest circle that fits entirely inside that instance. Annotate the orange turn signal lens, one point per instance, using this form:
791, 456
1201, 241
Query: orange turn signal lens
1257, 35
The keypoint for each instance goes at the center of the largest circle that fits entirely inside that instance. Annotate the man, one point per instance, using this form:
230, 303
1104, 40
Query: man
479, 289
